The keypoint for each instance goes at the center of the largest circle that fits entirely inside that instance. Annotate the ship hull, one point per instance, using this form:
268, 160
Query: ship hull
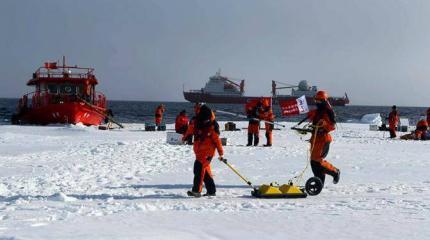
65, 113
211, 98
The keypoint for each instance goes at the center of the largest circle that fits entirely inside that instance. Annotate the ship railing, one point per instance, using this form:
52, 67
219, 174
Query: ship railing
39, 99
63, 75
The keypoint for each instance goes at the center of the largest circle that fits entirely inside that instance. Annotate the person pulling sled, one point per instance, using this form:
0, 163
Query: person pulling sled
206, 142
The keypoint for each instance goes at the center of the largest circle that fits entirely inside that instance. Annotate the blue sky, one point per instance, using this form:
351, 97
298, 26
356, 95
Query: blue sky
378, 51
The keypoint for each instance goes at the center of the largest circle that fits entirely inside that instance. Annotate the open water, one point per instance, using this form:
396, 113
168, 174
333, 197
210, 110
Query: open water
141, 111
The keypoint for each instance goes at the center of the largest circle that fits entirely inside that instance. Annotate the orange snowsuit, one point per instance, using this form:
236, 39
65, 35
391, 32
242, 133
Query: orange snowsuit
181, 124
320, 141
253, 125
159, 111
267, 115
393, 121
421, 130
190, 130
206, 141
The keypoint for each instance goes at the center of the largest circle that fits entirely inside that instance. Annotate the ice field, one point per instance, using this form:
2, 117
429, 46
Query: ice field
76, 182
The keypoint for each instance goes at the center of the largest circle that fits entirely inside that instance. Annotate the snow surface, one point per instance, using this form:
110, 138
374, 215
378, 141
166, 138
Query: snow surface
76, 182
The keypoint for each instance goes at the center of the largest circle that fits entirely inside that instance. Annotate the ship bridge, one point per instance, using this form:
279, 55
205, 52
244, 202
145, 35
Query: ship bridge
220, 85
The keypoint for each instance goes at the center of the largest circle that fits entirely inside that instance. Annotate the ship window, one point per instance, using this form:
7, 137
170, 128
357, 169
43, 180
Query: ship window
68, 89
52, 88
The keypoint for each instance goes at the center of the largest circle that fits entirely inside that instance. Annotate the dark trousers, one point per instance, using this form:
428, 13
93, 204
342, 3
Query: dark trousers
182, 129
392, 133
251, 137
203, 175
318, 167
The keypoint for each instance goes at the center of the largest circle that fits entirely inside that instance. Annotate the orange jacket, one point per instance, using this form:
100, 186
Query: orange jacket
421, 130
393, 119
190, 129
159, 112
181, 122
206, 141
324, 119
267, 116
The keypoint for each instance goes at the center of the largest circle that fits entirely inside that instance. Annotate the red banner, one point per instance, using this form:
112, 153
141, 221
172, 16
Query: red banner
294, 106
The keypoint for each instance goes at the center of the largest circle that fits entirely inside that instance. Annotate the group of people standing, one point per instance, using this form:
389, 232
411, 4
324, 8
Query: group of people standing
204, 129
261, 111
421, 132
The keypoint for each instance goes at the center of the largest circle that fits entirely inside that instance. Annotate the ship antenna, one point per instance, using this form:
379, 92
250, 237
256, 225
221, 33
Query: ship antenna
219, 72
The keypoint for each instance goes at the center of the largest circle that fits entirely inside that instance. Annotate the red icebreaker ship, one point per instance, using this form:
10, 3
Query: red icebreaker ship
62, 94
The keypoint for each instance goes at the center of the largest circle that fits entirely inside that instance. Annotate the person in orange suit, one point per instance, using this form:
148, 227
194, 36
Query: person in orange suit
159, 111
323, 119
421, 130
181, 122
428, 116
188, 136
393, 121
267, 115
252, 113
206, 142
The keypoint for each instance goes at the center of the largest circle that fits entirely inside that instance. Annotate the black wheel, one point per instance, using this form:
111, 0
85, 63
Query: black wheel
313, 186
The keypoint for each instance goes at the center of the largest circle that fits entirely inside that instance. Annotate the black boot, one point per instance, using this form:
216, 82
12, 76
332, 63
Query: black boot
194, 194
209, 195
256, 140
336, 176
249, 139
267, 138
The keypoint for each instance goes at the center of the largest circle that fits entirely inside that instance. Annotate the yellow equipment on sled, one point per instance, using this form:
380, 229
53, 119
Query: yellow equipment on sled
272, 190
312, 187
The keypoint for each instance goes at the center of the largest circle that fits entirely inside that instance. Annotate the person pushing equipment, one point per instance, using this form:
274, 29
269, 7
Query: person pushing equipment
323, 120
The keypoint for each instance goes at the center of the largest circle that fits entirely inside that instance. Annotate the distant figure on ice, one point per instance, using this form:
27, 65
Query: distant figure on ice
323, 118
393, 121
181, 124
252, 112
188, 136
206, 141
267, 115
421, 130
420, 133
159, 112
